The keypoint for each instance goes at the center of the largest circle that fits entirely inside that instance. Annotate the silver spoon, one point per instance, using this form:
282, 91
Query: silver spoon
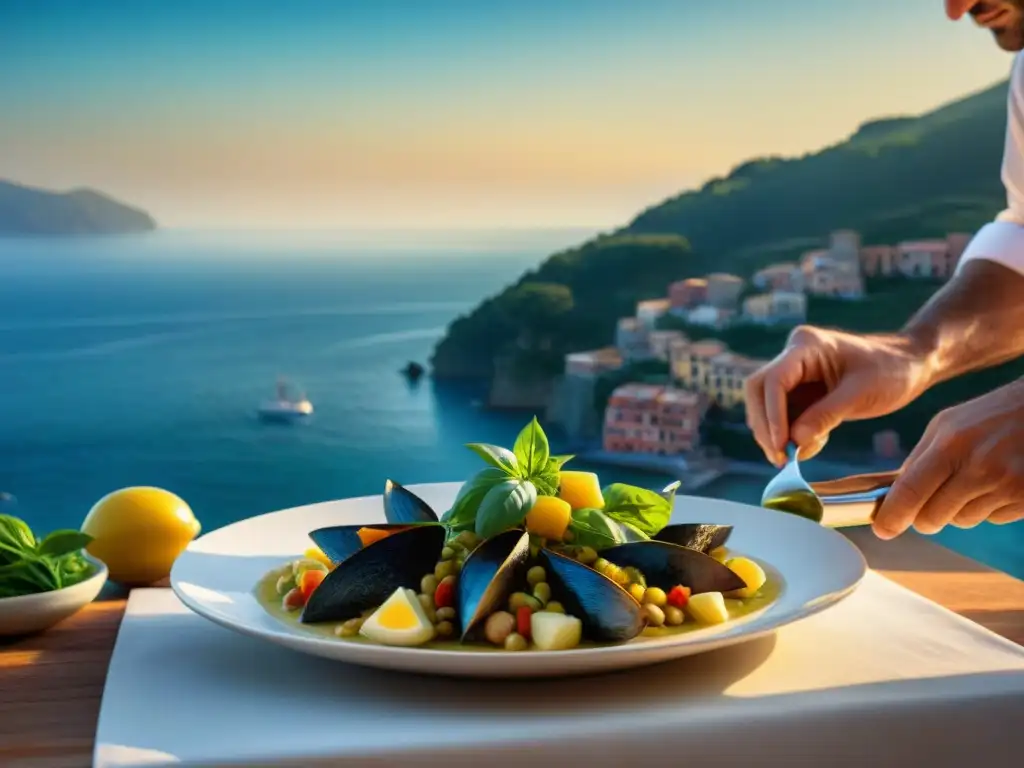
848, 501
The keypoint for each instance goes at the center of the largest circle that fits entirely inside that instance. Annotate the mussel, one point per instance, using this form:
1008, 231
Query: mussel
703, 537
489, 575
665, 565
608, 613
367, 577
403, 507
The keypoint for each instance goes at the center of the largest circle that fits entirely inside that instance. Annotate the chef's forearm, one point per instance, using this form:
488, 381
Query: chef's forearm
975, 321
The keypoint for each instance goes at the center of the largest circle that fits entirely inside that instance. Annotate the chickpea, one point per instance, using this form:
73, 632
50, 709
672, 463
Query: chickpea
587, 555
427, 601
542, 591
601, 565
444, 629
637, 591
468, 539
521, 599
445, 614
443, 569
428, 584
674, 616
349, 628
554, 607
515, 642
499, 626
447, 553
536, 575
655, 596
654, 615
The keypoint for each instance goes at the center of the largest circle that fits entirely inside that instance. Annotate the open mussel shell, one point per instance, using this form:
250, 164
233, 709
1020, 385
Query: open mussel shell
488, 576
665, 565
339, 542
403, 507
368, 577
608, 613
700, 536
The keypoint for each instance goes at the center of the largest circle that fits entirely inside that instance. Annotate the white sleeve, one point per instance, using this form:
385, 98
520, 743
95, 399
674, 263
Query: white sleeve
1002, 240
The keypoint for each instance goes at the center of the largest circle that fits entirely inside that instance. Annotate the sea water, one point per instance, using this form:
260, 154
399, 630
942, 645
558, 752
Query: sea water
141, 360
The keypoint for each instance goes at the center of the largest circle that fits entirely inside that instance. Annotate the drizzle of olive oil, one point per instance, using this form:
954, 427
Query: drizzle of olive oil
802, 503
267, 596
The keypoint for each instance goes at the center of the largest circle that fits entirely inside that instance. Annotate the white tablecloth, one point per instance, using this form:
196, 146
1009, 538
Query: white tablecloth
884, 678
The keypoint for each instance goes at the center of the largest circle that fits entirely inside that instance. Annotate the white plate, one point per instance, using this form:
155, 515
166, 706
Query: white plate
217, 573
26, 614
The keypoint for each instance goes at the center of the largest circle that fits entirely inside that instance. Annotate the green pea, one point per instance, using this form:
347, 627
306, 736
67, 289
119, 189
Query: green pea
554, 607
587, 555
634, 576
468, 539
601, 565
349, 628
536, 575
444, 629
285, 584
655, 596
521, 599
447, 553
542, 591
445, 614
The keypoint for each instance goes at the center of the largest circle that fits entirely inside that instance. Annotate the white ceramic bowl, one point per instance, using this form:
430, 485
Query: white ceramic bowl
26, 614
216, 575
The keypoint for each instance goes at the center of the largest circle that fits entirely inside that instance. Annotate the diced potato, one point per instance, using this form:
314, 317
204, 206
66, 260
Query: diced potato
719, 553
751, 573
549, 517
555, 631
581, 489
315, 553
708, 608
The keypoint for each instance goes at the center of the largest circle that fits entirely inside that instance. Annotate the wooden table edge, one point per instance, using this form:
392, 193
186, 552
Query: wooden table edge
51, 684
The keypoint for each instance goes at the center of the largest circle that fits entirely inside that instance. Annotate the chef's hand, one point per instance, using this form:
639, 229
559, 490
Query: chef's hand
840, 376
968, 468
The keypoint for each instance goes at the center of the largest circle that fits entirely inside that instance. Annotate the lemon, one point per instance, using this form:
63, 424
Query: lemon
139, 532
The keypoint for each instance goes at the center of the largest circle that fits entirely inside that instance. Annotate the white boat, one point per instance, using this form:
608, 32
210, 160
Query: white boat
285, 408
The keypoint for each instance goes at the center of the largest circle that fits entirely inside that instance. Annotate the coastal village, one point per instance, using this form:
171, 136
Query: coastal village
658, 425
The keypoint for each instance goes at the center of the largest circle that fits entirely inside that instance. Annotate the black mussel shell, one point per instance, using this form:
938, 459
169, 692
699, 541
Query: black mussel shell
664, 565
700, 536
488, 576
339, 542
609, 614
403, 507
369, 577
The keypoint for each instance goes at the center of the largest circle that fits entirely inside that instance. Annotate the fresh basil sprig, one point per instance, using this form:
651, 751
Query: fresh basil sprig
29, 566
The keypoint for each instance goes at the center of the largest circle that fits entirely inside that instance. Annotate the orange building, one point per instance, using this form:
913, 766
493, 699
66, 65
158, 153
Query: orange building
687, 294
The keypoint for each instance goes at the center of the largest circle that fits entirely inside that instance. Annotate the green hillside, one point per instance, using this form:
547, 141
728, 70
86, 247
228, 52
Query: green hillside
893, 179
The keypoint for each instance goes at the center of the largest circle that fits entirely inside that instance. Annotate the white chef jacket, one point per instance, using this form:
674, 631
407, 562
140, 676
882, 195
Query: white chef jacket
1002, 240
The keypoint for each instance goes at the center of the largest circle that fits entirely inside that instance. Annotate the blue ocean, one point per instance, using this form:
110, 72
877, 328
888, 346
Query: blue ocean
141, 360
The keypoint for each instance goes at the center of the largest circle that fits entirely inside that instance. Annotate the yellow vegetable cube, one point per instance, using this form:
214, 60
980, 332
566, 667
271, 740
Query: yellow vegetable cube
581, 489
549, 517
751, 573
708, 608
315, 553
719, 553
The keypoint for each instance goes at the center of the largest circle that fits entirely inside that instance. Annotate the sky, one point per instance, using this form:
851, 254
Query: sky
450, 114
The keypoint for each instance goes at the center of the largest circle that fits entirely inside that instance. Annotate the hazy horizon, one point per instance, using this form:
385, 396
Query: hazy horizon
454, 115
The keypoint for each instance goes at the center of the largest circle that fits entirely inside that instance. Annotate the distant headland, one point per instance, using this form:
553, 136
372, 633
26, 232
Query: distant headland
30, 211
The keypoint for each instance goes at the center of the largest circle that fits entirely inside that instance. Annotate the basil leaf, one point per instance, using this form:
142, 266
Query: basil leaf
63, 543
643, 509
555, 463
547, 483
496, 456
28, 576
593, 528
73, 568
505, 506
472, 492
16, 539
532, 450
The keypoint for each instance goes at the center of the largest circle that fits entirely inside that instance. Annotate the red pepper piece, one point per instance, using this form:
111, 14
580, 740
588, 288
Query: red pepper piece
679, 596
523, 614
444, 595
310, 580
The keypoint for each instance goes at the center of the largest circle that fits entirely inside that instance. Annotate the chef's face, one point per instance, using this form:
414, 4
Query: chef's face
1003, 18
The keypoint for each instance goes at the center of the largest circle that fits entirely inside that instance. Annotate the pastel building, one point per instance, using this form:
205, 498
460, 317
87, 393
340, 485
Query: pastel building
650, 312
926, 258
776, 308
724, 290
829, 279
727, 376
780, 277
593, 363
691, 364
711, 317
878, 260
687, 294
632, 339
644, 418
661, 343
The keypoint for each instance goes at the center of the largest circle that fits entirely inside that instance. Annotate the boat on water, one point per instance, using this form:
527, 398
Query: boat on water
285, 408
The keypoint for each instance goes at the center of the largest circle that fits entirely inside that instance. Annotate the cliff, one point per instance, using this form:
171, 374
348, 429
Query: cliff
30, 211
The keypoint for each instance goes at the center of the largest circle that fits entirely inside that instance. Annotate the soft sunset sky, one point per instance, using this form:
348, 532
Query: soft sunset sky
465, 113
